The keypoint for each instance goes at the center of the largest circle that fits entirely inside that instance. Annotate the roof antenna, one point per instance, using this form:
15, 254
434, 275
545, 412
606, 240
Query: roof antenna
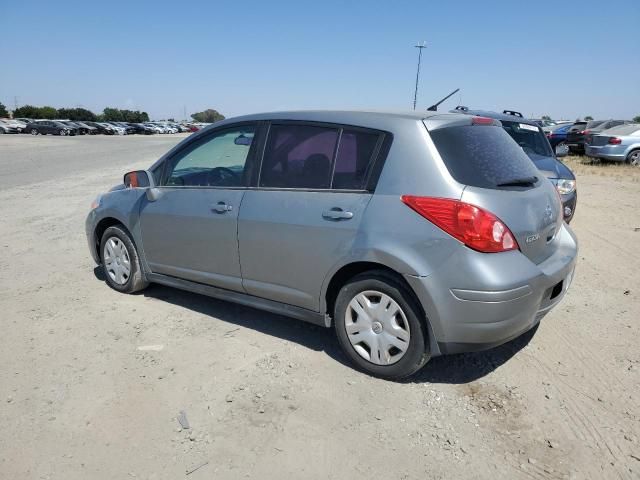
434, 107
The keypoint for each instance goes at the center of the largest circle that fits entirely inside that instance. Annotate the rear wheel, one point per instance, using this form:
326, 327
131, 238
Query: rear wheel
34, 131
634, 158
120, 261
379, 327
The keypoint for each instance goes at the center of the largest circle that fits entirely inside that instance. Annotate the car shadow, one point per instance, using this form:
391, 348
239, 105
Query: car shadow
450, 369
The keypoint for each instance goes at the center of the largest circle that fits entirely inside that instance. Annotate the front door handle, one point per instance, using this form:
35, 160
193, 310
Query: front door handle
222, 207
337, 213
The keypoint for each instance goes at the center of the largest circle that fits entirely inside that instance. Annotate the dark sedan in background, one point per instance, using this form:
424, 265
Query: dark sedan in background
50, 127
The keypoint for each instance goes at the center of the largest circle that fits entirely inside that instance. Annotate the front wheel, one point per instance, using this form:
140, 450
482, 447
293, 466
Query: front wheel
379, 327
634, 158
62, 133
120, 261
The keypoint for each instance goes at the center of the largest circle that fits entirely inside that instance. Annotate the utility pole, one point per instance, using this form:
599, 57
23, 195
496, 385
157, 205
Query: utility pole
184, 111
415, 95
15, 102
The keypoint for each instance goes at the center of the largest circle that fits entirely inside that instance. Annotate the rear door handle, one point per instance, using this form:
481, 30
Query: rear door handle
337, 213
222, 207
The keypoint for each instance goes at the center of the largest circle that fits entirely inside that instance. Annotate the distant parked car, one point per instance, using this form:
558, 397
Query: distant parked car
101, 128
618, 144
90, 129
557, 136
606, 125
155, 128
73, 125
117, 128
532, 140
576, 138
141, 129
8, 126
50, 127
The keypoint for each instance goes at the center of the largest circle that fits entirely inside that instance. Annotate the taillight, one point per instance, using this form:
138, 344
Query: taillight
473, 226
614, 141
482, 121
586, 132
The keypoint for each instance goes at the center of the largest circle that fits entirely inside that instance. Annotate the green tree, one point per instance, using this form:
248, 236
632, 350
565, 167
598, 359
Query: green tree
48, 112
116, 115
208, 116
636, 119
3, 111
112, 115
546, 117
588, 118
26, 111
76, 114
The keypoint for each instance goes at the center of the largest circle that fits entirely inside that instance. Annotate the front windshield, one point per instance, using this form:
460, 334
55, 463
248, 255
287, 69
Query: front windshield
529, 137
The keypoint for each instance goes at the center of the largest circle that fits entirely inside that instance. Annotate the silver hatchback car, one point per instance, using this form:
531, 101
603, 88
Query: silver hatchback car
413, 235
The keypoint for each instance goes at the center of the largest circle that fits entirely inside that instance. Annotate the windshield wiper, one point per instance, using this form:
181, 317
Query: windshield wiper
519, 182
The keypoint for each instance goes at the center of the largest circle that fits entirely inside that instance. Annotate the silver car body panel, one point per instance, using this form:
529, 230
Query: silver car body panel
275, 250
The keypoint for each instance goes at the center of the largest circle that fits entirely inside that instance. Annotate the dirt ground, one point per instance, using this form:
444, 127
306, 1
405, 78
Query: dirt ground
92, 381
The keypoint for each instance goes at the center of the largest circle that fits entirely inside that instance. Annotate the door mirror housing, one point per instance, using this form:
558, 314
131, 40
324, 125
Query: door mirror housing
138, 179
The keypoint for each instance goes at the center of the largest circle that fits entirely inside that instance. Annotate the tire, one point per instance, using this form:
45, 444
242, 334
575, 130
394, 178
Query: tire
633, 158
120, 256
2, 131
405, 328
62, 133
34, 131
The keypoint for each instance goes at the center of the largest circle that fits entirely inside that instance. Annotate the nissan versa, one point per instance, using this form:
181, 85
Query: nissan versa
413, 235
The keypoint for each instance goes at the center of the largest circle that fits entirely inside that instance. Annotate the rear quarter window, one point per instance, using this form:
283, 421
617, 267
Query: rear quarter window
482, 156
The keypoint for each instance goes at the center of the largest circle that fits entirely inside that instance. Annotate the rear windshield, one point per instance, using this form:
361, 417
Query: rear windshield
595, 123
482, 156
532, 140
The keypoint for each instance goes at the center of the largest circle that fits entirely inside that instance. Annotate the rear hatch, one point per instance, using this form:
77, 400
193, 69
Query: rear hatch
500, 178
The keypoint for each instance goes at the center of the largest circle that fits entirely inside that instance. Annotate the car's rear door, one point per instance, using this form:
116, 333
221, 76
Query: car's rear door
190, 230
305, 211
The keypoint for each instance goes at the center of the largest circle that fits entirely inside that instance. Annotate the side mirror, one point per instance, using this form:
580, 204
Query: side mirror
242, 140
562, 150
138, 179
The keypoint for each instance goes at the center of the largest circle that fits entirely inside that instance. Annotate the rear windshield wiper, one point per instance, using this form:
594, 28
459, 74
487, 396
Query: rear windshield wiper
520, 182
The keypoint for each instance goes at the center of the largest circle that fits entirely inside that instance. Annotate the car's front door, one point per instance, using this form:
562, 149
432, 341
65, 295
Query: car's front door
190, 230
304, 214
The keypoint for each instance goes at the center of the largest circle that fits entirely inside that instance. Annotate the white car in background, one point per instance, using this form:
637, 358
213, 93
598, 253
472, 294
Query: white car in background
117, 128
155, 127
8, 125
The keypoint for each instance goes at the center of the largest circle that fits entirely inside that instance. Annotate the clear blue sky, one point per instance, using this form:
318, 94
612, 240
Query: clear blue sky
562, 58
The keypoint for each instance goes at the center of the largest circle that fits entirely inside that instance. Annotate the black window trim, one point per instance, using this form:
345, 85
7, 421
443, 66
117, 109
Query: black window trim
374, 169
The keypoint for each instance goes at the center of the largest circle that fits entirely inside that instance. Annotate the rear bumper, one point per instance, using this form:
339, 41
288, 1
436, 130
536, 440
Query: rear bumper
504, 295
609, 152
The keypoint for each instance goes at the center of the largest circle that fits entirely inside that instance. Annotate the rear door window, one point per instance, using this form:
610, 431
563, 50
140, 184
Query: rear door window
482, 156
354, 159
299, 156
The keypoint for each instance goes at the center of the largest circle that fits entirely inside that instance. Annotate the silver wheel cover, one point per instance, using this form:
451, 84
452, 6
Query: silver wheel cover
377, 327
116, 260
